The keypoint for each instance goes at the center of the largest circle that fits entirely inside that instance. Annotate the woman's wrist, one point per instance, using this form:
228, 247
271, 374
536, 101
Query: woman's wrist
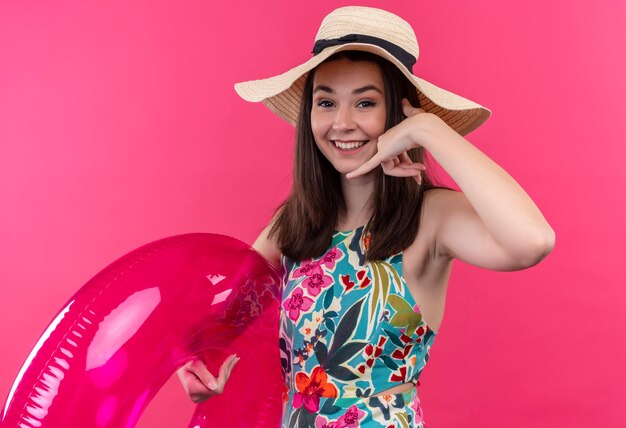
429, 129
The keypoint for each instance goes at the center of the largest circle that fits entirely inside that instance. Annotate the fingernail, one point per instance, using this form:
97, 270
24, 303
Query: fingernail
212, 384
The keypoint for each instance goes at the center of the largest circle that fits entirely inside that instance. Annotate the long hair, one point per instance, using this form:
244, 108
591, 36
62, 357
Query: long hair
305, 222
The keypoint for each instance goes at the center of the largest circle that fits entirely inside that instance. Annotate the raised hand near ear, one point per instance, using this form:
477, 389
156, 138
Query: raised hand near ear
393, 146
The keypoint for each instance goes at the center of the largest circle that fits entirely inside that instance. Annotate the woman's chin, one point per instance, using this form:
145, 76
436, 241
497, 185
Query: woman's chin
345, 169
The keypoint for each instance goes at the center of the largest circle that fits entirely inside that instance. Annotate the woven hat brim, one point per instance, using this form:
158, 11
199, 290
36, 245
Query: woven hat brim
282, 93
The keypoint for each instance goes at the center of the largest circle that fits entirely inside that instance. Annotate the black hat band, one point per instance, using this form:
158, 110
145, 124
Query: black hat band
400, 54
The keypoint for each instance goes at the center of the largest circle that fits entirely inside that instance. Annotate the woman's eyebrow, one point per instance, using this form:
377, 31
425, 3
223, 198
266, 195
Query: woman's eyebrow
323, 88
366, 88
356, 91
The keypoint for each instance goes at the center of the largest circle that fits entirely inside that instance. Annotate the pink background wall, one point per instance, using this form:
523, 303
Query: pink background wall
119, 125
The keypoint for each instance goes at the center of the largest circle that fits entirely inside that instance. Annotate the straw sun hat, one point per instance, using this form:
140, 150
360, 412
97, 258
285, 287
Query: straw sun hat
371, 30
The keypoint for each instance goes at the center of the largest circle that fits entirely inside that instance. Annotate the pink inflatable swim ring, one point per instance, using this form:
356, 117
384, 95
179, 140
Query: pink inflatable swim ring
122, 335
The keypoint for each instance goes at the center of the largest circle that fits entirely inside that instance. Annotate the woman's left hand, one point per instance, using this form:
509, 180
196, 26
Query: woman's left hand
393, 146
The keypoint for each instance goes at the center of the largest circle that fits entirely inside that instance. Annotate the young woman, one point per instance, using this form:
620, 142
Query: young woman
365, 240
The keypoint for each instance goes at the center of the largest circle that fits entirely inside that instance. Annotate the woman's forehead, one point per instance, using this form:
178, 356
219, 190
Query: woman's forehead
344, 74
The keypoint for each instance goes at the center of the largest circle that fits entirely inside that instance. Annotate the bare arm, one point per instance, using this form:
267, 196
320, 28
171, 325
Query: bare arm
267, 247
492, 223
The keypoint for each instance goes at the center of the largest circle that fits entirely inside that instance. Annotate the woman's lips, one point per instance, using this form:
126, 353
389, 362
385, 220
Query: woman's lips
349, 145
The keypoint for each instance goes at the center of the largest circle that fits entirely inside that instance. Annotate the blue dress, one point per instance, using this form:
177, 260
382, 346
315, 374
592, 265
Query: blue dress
349, 330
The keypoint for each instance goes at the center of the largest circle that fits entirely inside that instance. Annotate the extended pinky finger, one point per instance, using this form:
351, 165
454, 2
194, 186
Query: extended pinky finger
418, 178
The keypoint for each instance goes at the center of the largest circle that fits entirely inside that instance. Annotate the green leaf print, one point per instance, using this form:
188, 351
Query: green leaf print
389, 362
384, 277
341, 373
405, 316
321, 352
330, 325
403, 419
346, 327
345, 353
380, 289
394, 339
328, 297
306, 419
329, 407
293, 420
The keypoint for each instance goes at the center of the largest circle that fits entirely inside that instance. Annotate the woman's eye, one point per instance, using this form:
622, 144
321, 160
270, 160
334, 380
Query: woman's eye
325, 103
366, 103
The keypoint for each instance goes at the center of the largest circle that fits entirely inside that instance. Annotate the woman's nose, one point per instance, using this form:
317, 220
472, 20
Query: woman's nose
344, 120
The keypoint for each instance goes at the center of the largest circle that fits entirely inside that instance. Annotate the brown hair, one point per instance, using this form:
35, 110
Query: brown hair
305, 222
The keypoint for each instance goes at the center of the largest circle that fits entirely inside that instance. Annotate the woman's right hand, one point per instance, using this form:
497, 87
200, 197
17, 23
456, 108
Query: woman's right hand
199, 383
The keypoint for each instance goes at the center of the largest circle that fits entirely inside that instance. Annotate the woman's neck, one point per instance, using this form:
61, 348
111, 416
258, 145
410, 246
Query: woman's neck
356, 196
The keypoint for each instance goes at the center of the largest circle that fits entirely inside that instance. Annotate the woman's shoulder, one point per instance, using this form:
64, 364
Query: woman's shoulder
436, 196
438, 202
267, 246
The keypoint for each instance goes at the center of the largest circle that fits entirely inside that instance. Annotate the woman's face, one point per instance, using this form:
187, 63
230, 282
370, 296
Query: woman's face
348, 112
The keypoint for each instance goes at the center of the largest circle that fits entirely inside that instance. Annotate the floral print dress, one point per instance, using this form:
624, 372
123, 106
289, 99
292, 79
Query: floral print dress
350, 329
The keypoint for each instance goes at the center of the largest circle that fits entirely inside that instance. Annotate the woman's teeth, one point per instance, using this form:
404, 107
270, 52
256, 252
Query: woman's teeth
349, 146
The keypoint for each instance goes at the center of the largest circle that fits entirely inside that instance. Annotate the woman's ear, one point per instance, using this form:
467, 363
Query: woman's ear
409, 110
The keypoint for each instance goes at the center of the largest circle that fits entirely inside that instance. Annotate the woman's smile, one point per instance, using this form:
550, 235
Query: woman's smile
349, 146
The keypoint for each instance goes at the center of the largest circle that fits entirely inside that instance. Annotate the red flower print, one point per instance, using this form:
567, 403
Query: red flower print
345, 280
400, 376
371, 353
296, 303
367, 241
364, 280
310, 389
404, 338
401, 354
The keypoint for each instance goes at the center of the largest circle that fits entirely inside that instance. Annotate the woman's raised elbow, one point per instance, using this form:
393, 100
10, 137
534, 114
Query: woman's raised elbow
537, 249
